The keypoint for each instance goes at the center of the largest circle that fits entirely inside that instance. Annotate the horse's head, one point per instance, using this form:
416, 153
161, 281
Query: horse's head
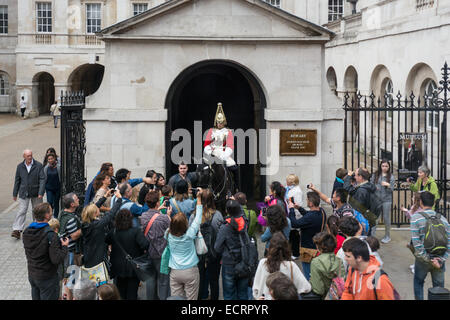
203, 173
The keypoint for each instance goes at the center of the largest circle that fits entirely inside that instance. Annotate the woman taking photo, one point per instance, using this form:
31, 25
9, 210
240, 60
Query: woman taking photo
425, 182
276, 222
125, 240
101, 187
184, 274
384, 180
209, 265
278, 259
277, 195
94, 230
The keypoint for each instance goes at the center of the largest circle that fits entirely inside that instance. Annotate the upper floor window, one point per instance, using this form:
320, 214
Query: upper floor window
335, 10
44, 16
275, 3
389, 96
139, 8
93, 17
4, 84
3, 19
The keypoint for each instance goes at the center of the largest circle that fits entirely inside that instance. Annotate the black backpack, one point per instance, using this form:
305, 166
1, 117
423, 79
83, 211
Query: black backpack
375, 204
209, 235
246, 267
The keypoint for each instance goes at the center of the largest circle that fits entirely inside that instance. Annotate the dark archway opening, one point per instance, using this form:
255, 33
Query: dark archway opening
87, 78
194, 95
44, 90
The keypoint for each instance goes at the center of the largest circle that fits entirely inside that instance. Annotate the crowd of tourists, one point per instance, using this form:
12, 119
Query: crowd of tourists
184, 244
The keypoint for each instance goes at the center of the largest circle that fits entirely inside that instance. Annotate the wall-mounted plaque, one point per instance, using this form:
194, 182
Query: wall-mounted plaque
298, 142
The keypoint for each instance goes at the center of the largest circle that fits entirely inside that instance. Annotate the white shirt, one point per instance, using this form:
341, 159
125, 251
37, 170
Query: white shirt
23, 104
29, 166
259, 284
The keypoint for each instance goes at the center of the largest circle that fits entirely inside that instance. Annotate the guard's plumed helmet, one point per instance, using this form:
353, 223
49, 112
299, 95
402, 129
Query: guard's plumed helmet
220, 116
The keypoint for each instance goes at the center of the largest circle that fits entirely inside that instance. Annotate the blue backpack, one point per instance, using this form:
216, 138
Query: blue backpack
363, 221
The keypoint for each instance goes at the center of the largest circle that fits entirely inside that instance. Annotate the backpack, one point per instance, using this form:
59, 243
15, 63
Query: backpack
375, 204
247, 265
337, 286
209, 236
375, 280
436, 239
363, 221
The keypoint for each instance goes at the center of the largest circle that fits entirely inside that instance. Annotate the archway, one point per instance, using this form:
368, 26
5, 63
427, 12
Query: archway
43, 92
86, 78
332, 80
194, 95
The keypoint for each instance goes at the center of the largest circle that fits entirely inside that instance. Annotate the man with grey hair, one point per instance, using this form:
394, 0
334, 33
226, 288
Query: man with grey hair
85, 289
29, 185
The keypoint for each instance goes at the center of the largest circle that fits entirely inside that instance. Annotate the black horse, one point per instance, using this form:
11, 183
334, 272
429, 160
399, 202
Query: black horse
219, 179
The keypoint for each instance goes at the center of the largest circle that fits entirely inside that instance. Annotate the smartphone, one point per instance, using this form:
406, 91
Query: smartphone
166, 203
292, 199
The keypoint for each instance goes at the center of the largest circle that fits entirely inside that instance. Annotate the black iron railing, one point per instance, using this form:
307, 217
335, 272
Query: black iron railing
409, 132
73, 144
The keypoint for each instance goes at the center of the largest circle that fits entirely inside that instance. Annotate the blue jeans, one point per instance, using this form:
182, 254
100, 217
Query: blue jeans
306, 267
421, 270
233, 288
53, 199
157, 286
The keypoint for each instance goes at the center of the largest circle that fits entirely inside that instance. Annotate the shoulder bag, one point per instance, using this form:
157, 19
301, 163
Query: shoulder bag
307, 254
142, 265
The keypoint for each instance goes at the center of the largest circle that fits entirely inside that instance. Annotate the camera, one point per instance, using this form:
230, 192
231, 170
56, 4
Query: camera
292, 199
64, 235
166, 203
264, 211
411, 179
194, 192
307, 186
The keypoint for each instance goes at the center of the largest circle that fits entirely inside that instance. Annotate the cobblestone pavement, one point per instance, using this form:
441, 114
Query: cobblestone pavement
38, 134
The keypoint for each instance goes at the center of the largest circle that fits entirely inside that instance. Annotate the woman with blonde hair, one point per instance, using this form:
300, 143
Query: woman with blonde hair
209, 264
94, 229
293, 192
184, 274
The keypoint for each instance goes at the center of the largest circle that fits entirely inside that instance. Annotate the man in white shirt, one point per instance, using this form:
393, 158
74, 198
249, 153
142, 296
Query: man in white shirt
23, 106
29, 185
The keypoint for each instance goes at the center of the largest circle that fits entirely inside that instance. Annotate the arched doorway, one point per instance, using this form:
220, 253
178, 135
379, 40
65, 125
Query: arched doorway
43, 92
194, 95
86, 78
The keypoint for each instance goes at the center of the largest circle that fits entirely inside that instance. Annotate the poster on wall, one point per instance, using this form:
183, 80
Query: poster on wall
412, 149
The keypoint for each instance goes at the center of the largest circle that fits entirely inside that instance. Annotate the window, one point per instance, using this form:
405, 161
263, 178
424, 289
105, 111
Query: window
4, 85
275, 3
93, 17
433, 117
335, 10
3, 19
44, 16
139, 8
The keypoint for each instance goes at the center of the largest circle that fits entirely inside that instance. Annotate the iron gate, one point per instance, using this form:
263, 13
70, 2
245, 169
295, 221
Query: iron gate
407, 131
73, 145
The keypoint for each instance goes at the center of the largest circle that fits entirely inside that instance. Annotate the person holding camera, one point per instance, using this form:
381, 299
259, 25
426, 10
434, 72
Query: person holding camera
181, 202
101, 188
44, 252
157, 286
311, 222
425, 182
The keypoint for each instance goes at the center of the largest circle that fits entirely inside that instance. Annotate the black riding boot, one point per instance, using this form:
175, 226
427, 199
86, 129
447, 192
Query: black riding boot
235, 171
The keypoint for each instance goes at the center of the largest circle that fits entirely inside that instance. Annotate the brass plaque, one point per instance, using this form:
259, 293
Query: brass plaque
298, 142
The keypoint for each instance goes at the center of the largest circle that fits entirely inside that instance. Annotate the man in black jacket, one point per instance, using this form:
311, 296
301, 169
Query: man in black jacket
44, 251
29, 185
359, 195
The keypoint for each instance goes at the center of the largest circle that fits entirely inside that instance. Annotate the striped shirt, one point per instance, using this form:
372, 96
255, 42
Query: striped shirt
71, 227
418, 223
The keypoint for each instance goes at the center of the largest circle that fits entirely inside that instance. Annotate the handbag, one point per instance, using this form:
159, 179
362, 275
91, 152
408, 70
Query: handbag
307, 254
200, 244
337, 286
165, 258
142, 265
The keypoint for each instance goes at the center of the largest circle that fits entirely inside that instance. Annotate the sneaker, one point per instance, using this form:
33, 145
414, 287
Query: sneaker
411, 267
16, 234
386, 240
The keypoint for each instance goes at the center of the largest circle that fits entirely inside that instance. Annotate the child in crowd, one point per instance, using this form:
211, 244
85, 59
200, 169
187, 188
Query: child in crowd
108, 291
414, 208
281, 287
339, 181
54, 224
374, 245
166, 194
